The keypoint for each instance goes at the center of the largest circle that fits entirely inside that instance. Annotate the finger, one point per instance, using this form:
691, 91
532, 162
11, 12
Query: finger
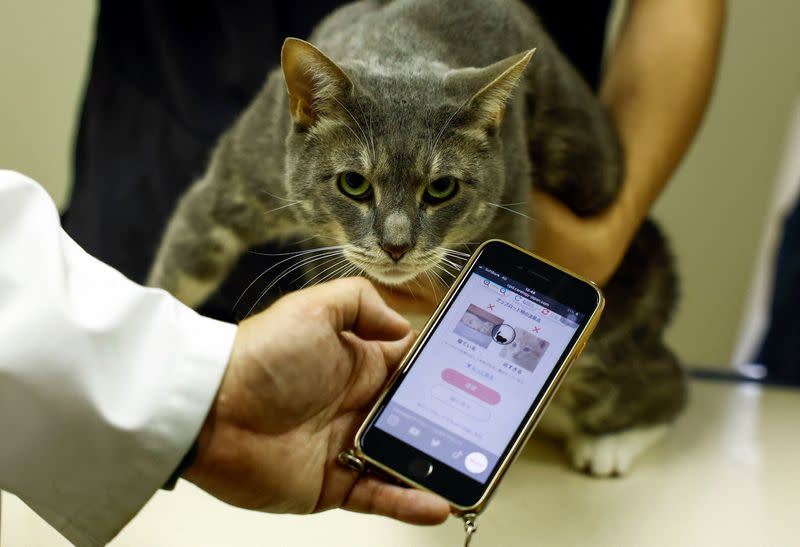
371, 495
375, 363
393, 352
421, 299
355, 305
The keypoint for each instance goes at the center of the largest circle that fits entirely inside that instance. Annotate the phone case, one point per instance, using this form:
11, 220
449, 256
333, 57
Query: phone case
366, 462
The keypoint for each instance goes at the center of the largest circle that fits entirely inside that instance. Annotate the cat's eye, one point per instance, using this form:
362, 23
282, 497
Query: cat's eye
441, 190
354, 185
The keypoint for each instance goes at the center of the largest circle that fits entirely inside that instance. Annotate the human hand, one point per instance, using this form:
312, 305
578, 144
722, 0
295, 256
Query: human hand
301, 378
413, 298
592, 247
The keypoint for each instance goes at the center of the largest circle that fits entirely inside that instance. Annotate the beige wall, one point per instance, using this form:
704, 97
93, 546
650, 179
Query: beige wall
713, 209
715, 206
44, 50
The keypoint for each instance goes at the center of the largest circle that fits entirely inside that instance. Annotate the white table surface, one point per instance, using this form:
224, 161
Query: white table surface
727, 475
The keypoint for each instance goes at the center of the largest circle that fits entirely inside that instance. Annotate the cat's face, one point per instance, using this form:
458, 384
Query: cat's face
396, 167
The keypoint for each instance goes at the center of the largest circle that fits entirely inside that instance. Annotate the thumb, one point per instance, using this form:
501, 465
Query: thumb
393, 352
355, 305
377, 362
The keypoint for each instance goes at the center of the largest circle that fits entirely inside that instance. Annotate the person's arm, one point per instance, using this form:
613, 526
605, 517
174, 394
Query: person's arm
104, 384
657, 85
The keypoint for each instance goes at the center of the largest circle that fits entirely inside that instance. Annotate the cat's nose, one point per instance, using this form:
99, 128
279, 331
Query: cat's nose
395, 251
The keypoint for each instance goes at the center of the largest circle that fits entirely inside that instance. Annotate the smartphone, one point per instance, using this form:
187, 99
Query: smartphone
472, 388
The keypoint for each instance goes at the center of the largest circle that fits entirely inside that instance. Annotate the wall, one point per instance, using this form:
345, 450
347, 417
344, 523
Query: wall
44, 50
713, 209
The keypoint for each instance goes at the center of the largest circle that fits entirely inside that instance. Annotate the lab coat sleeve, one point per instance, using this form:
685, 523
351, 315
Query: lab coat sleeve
104, 384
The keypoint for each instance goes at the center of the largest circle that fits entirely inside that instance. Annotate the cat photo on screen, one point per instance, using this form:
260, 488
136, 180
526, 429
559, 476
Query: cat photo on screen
477, 325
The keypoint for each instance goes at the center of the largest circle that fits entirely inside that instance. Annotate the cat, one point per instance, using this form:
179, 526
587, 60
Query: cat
413, 133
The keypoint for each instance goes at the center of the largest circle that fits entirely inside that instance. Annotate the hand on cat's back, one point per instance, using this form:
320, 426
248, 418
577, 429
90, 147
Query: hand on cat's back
592, 247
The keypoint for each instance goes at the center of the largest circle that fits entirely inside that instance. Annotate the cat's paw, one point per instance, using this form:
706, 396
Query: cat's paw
611, 454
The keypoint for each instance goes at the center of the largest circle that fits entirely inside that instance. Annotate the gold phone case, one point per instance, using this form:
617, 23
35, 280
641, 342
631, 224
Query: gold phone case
520, 441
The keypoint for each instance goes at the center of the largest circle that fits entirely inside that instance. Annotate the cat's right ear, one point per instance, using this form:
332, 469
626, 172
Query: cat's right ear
312, 79
490, 87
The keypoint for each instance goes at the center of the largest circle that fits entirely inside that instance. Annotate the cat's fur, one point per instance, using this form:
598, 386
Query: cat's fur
402, 106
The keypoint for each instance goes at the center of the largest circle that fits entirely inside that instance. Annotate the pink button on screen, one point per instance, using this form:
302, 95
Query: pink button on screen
473, 387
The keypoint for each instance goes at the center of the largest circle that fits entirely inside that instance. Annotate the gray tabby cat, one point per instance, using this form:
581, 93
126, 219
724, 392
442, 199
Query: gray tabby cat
401, 150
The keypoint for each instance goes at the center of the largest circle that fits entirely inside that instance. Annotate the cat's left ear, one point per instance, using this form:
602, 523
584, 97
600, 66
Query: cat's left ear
494, 85
312, 79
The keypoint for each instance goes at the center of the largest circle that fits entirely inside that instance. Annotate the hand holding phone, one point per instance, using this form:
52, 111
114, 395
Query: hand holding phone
473, 387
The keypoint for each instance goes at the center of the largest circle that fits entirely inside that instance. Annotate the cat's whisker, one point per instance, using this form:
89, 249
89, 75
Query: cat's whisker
274, 196
291, 256
454, 259
323, 236
344, 273
303, 262
309, 238
293, 204
358, 272
337, 261
439, 277
430, 262
449, 265
321, 269
333, 274
455, 271
414, 296
457, 261
444, 268
466, 246
513, 204
511, 211
450, 262
452, 251
351, 271
278, 279
418, 284
301, 251
459, 254
430, 280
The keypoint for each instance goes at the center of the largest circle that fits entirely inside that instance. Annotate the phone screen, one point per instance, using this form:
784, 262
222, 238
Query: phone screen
474, 381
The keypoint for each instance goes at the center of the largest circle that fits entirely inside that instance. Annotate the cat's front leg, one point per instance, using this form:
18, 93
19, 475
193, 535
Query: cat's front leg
612, 454
197, 251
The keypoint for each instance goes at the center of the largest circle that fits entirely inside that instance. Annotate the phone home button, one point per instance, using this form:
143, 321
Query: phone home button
420, 468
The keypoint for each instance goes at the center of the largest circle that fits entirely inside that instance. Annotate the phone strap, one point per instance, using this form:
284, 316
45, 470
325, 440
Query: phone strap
349, 459
470, 526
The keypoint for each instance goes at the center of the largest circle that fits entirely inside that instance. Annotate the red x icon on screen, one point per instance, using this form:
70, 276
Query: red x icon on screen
490, 306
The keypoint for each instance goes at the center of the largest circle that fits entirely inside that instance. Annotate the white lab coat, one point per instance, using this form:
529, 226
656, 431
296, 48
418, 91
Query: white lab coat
104, 384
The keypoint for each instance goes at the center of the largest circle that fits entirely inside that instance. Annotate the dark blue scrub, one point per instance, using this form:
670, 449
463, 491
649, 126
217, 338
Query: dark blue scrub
168, 77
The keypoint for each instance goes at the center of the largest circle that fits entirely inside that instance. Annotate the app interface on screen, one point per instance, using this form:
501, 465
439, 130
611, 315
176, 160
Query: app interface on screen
475, 379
